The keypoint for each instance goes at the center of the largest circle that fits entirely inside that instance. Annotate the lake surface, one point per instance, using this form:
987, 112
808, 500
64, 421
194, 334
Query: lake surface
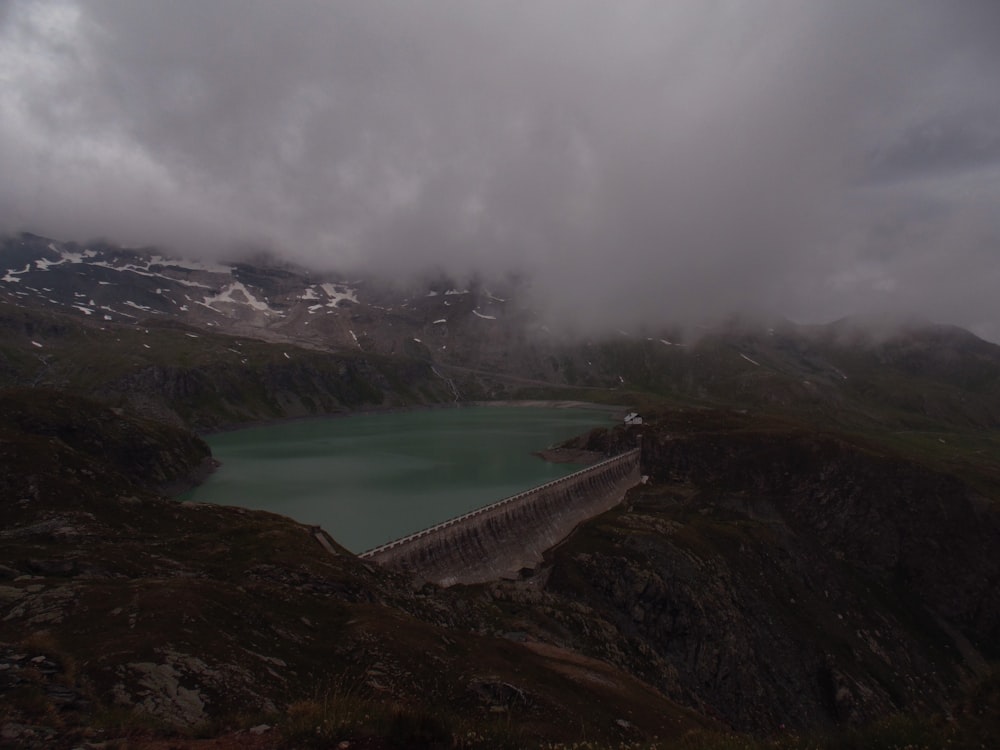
371, 478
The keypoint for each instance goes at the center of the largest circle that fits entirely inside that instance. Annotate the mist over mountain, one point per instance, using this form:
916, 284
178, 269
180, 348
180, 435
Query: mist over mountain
636, 161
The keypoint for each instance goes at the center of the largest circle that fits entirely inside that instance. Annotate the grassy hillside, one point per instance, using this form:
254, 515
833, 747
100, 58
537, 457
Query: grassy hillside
200, 379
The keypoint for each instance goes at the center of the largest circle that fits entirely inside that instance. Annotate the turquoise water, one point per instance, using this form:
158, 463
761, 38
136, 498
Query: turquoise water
371, 478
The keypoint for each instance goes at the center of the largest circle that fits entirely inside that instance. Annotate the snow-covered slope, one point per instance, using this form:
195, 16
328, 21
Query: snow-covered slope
269, 301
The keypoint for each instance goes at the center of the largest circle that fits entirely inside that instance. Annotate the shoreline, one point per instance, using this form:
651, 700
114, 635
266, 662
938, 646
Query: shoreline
197, 476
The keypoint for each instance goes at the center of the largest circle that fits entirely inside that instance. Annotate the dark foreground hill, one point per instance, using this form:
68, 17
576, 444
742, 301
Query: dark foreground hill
774, 576
766, 580
124, 612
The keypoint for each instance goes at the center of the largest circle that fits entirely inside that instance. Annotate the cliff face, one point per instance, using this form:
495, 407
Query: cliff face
922, 532
272, 387
770, 577
205, 381
51, 438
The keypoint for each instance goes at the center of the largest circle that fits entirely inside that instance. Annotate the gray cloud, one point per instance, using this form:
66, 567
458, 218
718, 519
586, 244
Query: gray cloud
640, 160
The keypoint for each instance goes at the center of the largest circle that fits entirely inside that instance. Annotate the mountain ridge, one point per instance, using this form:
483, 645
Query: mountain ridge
812, 550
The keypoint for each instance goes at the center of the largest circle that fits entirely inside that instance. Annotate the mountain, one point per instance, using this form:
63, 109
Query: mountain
813, 551
488, 343
270, 301
215, 345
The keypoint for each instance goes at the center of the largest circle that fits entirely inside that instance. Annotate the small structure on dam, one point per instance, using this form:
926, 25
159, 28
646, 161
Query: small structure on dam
502, 538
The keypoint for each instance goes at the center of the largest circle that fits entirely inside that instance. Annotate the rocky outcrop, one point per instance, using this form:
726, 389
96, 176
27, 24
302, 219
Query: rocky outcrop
771, 577
272, 385
922, 531
52, 436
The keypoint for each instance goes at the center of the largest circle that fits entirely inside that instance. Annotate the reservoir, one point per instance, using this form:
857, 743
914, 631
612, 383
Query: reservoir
371, 478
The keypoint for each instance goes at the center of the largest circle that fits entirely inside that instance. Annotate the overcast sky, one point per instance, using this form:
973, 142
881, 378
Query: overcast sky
651, 160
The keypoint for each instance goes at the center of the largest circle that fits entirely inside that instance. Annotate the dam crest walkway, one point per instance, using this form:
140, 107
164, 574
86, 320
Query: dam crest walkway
504, 537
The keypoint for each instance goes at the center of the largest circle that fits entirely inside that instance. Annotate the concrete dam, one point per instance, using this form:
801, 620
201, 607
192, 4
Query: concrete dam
500, 539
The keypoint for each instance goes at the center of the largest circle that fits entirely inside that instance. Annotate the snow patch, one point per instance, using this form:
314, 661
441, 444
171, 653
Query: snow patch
43, 264
751, 361
457, 291
237, 288
484, 317
439, 320
200, 265
131, 268
337, 292
418, 341
144, 270
286, 355
185, 282
69, 257
354, 336
84, 310
12, 274
35, 343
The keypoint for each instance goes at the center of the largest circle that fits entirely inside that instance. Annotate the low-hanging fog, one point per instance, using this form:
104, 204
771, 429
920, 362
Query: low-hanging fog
648, 161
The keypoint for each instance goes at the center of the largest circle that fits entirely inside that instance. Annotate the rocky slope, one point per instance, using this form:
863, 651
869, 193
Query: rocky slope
124, 613
771, 577
202, 379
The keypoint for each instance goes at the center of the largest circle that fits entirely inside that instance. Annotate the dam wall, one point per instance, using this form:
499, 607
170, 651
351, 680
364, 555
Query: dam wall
501, 539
